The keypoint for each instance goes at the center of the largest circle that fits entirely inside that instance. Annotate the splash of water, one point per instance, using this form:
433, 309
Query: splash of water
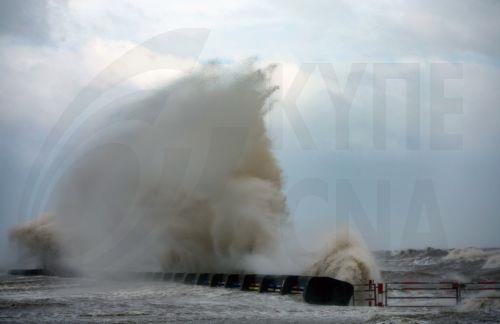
470, 254
41, 238
346, 258
198, 187
493, 262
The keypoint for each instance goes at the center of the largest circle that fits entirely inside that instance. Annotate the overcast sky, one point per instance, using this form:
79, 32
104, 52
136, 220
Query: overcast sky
406, 192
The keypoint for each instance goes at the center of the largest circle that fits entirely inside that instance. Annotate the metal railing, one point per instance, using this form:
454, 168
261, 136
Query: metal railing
365, 294
481, 290
423, 293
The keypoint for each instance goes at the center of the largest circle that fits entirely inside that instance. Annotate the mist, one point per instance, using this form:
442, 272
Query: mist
183, 178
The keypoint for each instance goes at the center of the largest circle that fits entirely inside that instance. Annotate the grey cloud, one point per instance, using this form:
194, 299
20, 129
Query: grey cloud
455, 27
452, 29
27, 20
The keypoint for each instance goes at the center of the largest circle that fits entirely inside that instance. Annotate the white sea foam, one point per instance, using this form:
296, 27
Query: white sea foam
493, 262
469, 254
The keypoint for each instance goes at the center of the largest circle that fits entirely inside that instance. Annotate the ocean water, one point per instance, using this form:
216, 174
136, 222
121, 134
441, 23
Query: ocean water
57, 299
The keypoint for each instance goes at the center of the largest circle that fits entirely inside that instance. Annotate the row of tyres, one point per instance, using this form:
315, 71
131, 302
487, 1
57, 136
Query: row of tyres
315, 290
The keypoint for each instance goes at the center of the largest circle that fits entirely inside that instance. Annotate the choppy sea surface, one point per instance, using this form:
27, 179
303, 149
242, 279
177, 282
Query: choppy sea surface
57, 299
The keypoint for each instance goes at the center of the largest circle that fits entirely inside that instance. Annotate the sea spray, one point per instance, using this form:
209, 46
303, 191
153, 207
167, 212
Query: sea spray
197, 188
189, 179
493, 262
346, 258
40, 238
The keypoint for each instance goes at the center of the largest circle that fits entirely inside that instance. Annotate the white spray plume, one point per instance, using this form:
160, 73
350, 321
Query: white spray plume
346, 258
196, 186
40, 237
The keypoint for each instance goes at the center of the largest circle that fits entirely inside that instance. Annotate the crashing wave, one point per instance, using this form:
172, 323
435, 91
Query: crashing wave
216, 204
40, 239
427, 252
346, 258
470, 254
493, 262
425, 261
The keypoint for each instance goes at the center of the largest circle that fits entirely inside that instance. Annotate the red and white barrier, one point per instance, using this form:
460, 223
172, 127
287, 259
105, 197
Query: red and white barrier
422, 293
